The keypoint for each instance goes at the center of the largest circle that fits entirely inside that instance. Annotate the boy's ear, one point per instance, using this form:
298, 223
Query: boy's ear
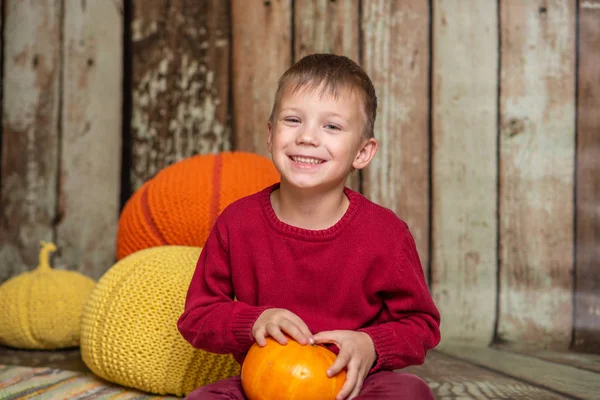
365, 153
270, 137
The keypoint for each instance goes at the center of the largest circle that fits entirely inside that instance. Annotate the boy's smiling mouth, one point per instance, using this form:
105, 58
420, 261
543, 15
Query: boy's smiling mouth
306, 160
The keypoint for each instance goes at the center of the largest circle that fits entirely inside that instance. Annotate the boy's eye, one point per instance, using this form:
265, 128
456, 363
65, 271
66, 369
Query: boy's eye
331, 126
292, 119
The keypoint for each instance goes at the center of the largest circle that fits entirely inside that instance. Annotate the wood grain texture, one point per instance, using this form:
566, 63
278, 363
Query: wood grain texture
587, 285
590, 362
262, 51
537, 140
90, 167
29, 132
464, 168
452, 379
576, 382
395, 54
180, 82
325, 26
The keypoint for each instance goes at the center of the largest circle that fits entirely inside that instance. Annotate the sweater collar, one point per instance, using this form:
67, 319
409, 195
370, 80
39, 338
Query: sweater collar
308, 234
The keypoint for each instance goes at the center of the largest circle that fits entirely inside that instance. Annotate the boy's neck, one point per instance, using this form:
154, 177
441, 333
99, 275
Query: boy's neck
314, 210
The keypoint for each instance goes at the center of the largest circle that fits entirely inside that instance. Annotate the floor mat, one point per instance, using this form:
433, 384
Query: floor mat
56, 384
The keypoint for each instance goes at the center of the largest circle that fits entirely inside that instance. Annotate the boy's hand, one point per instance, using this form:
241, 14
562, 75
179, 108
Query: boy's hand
276, 322
357, 354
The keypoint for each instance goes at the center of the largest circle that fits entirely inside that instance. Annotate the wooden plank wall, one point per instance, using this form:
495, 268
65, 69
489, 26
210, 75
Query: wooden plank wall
488, 124
464, 148
30, 131
587, 284
180, 73
257, 67
61, 133
537, 136
394, 53
90, 141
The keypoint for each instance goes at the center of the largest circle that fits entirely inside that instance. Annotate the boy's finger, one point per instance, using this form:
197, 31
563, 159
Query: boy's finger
307, 334
356, 390
276, 333
301, 325
348, 385
342, 359
327, 337
292, 330
259, 336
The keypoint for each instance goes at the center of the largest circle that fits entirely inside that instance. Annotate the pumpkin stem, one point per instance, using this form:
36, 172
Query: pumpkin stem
47, 248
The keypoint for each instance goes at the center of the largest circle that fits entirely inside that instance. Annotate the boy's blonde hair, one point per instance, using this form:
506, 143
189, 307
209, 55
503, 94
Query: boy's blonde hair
332, 72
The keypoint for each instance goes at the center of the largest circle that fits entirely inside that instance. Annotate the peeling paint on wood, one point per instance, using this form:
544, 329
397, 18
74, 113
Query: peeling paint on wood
464, 176
536, 173
30, 132
395, 55
587, 286
590, 5
91, 137
262, 51
180, 82
325, 26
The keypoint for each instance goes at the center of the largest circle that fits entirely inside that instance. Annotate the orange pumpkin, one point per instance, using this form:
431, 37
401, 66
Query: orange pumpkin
290, 372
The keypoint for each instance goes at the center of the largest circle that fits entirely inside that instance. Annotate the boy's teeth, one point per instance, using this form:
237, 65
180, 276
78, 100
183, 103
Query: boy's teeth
306, 160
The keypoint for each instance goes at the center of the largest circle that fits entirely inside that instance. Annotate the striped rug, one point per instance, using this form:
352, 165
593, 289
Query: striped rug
56, 384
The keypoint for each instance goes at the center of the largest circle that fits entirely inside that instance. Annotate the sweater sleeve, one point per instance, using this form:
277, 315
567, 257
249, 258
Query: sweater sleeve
212, 320
412, 325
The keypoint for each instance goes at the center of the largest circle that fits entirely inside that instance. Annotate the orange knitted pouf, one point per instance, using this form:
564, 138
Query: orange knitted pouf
179, 205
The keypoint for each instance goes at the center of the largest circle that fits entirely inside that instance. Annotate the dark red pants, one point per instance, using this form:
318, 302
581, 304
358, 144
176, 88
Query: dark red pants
378, 386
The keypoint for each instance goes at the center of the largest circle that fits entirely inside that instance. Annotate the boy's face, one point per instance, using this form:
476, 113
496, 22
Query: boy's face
316, 139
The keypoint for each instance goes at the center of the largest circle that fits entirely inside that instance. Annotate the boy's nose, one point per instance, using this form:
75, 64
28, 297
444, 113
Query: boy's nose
308, 137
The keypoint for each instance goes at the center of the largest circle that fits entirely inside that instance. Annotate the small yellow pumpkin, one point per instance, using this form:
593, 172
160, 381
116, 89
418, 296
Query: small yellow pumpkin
41, 309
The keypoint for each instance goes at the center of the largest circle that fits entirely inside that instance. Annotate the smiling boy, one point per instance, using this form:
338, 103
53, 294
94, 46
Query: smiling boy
310, 258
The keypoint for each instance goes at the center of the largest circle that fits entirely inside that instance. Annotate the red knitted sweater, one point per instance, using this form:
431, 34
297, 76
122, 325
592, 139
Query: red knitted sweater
361, 274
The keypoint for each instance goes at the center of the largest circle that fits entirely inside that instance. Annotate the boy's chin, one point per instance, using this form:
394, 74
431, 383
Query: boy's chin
312, 185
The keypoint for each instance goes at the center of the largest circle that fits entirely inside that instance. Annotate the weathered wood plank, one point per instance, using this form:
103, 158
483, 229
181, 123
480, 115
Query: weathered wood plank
587, 285
536, 172
325, 26
90, 167
561, 378
262, 51
29, 132
464, 172
180, 82
395, 55
590, 362
450, 378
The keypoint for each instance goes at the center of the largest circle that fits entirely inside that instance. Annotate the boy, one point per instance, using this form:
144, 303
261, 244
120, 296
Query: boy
312, 259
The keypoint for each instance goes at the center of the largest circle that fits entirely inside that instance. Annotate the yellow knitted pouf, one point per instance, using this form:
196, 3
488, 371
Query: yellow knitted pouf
129, 330
41, 309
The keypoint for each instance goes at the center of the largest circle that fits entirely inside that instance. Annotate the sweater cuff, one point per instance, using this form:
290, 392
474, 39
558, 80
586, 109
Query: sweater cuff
385, 343
242, 325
